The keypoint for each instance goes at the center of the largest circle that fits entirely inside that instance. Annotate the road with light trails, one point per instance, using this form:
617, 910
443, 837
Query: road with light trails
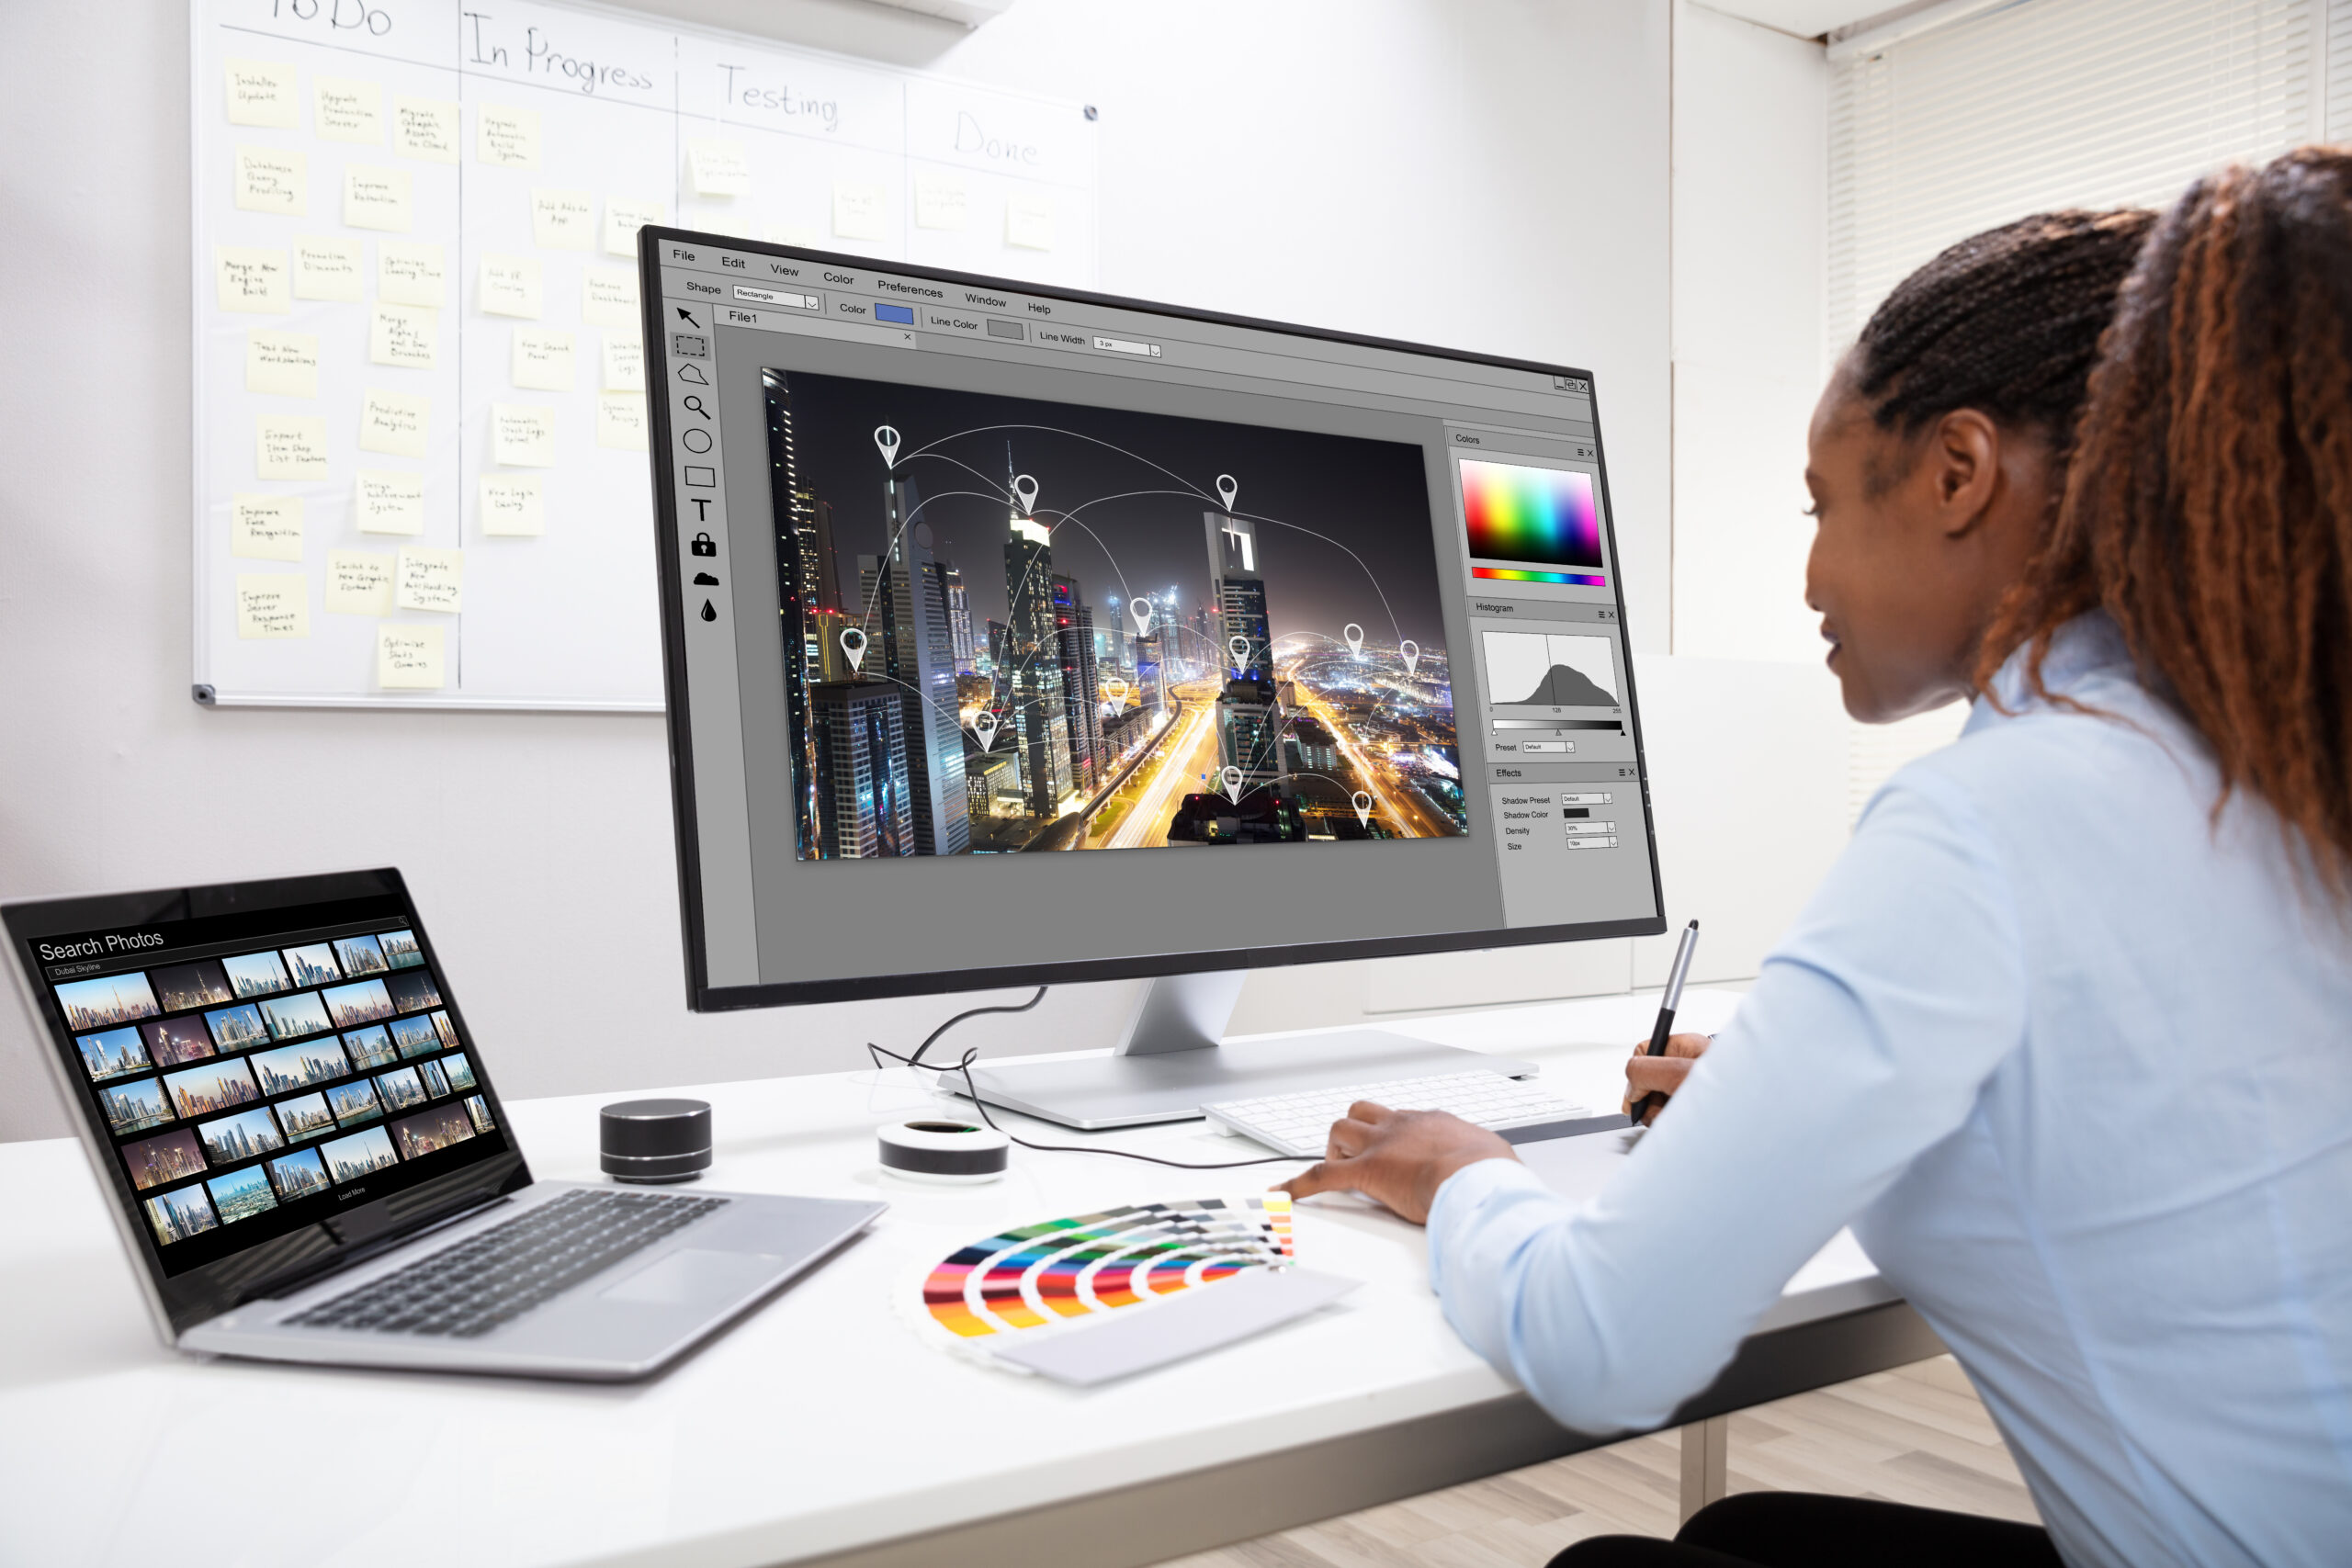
1176, 771
1400, 802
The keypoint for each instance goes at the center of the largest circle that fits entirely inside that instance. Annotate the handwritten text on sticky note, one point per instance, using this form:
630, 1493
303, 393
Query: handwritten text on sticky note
430, 579
359, 582
386, 501
273, 604
409, 657
265, 527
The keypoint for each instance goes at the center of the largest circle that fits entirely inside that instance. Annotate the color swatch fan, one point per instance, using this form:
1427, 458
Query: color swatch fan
1133, 1262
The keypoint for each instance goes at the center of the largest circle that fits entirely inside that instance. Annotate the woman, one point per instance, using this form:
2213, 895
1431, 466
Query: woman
2063, 1033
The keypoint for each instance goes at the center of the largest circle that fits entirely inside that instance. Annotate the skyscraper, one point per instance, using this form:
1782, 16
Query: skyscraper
1032, 656
1081, 700
862, 760
905, 594
804, 586
959, 621
1249, 710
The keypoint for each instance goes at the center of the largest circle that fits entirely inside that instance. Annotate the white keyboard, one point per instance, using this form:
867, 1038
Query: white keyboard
1301, 1124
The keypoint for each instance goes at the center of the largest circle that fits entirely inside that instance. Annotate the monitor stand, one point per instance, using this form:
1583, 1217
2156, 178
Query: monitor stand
1173, 1059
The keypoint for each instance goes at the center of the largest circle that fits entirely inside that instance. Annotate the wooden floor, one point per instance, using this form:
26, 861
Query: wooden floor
1914, 1435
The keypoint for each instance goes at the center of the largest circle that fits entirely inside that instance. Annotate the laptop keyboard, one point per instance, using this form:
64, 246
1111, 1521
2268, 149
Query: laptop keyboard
470, 1289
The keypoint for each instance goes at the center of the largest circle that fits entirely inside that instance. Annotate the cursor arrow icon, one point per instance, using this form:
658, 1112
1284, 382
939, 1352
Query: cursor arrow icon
687, 316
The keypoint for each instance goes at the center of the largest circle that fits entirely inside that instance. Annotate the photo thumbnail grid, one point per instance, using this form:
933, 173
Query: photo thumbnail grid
234, 1086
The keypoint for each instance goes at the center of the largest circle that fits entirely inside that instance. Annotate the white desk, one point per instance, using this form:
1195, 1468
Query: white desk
820, 1427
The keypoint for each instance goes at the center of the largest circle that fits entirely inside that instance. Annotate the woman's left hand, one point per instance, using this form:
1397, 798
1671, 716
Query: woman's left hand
1397, 1157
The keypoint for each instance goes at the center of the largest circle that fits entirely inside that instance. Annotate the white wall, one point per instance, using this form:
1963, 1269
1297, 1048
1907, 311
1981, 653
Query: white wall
1489, 174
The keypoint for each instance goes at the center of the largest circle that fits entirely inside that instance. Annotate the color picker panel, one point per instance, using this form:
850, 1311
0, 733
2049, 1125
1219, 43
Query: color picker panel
1541, 517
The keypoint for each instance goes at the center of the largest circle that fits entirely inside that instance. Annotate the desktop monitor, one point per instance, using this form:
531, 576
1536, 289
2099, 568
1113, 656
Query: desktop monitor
986, 604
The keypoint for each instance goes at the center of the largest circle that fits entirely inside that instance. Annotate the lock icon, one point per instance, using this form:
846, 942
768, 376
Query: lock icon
702, 545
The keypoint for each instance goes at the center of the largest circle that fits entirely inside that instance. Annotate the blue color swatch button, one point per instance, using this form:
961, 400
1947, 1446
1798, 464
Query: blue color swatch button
902, 314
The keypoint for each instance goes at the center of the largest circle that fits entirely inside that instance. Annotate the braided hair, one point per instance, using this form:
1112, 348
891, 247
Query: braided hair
2211, 514
2007, 323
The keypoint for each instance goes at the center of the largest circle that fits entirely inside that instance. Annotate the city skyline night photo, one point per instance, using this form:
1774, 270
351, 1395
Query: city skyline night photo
1013, 624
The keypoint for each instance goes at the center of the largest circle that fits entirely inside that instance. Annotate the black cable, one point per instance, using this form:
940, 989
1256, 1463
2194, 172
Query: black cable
916, 1060
964, 1066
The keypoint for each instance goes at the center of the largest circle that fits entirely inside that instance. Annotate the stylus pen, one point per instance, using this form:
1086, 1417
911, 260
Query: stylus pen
1666, 1005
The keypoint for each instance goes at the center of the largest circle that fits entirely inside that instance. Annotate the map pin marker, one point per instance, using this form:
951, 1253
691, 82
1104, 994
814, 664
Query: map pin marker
1240, 648
1227, 488
1354, 633
1024, 491
985, 728
853, 644
1231, 779
1141, 610
1412, 652
1362, 803
1117, 687
888, 439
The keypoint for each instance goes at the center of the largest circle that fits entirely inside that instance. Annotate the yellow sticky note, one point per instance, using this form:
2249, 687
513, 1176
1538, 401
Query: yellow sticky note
262, 92
273, 179
394, 422
857, 210
251, 280
273, 604
718, 167
542, 359
347, 110
510, 287
327, 268
409, 657
624, 364
608, 299
623, 216
792, 234
621, 421
425, 129
386, 501
522, 435
265, 527
283, 365
939, 201
405, 335
429, 578
375, 198
563, 219
291, 446
359, 582
1029, 221
508, 138
410, 272
512, 505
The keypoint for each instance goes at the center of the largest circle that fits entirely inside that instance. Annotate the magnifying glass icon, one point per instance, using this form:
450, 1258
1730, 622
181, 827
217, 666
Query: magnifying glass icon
693, 405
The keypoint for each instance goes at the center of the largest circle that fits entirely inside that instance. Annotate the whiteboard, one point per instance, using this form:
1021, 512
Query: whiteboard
351, 481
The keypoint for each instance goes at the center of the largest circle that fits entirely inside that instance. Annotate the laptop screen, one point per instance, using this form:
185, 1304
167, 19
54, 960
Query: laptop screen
249, 1069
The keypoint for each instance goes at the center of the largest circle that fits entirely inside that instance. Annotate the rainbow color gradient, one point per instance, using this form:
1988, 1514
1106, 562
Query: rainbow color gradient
1511, 574
1541, 517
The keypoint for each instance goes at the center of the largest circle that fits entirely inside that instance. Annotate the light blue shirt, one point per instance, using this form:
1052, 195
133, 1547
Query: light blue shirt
2075, 1058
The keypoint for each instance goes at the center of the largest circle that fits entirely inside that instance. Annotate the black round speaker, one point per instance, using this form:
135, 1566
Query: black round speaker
656, 1139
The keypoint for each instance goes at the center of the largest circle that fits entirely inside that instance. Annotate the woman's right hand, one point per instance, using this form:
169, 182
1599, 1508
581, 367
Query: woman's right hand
1647, 1074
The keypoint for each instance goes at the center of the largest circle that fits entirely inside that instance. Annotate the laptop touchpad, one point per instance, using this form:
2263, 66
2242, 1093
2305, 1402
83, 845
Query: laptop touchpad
697, 1278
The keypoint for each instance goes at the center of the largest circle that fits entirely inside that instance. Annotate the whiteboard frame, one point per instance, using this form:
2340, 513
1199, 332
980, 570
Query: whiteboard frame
202, 133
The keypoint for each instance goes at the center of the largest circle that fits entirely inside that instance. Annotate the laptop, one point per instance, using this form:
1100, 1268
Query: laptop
306, 1154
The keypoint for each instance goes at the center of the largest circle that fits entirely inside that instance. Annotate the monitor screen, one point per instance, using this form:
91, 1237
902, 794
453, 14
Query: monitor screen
252, 1063
965, 581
